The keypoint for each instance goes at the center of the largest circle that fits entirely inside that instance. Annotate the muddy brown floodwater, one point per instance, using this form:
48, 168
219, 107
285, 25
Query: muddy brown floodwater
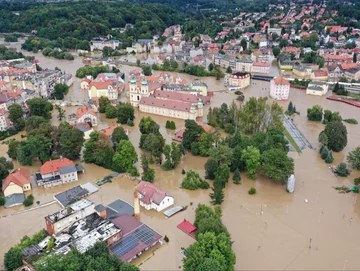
288, 234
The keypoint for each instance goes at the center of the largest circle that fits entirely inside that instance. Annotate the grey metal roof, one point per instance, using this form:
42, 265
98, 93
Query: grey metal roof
79, 168
14, 199
70, 196
82, 128
100, 208
121, 207
67, 169
31, 251
170, 212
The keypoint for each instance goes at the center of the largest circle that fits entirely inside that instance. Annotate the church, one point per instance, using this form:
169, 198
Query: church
165, 103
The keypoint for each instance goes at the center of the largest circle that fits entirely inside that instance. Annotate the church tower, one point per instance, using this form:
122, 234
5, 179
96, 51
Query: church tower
144, 88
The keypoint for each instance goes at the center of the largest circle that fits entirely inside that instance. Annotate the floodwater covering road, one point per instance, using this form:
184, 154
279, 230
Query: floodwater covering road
271, 230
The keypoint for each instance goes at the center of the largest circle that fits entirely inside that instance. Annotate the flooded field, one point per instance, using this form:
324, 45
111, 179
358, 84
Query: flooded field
271, 230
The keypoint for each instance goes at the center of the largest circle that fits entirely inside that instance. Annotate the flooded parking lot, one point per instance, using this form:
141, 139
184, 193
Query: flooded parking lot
272, 230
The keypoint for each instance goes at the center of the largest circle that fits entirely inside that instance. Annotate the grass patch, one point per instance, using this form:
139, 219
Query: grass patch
292, 141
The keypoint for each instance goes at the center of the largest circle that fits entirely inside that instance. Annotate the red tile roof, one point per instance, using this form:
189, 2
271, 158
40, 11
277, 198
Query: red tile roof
170, 104
179, 134
109, 130
20, 177
84, 110
346, 66
281, 81
53, 166
86, 80
261, 64
321, 74
151, 193
126, 223
100, 85
178, 96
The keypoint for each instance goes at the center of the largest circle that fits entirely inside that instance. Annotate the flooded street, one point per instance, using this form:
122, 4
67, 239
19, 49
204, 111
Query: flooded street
289, 235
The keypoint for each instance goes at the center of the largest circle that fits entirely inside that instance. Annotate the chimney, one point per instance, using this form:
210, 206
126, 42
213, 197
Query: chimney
61, 158
136, 204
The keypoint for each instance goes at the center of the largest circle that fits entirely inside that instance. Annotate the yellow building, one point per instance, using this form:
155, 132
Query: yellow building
239, 80
17, 182
200, 86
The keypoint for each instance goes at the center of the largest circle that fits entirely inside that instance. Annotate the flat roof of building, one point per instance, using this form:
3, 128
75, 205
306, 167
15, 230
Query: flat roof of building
75, 207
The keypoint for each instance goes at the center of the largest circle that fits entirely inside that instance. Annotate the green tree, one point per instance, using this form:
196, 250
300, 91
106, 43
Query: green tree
222, 154
329, 159
173, 156
237, 178
211, 167
103, 103
147, 126
5, 167
251, 157
211, 67
60, 90
315, 113
355, 58
118, 134
110, 111
323, 139
138, 63
40, 107
229, 70
125, 156
71, 143
193, 181
324, 152
107, 51
148, 173
206, 141
341, 170
13, 147
13, 259
125, 112
16, 116
337, 135
61, 112
353, 158
222, 175
33, 123
276, 51
290, 107
276, 165
217, 195
147, 70
191, 134
98, 150
243, 44
2, 201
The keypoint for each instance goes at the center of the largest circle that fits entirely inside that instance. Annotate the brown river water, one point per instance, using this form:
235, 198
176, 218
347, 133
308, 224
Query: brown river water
289, 234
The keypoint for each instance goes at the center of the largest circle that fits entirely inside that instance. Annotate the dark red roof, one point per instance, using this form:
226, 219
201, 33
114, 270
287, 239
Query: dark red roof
126, 223
187, 227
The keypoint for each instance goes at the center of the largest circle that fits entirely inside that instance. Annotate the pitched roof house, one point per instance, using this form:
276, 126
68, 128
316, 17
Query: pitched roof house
17, 182
152, 197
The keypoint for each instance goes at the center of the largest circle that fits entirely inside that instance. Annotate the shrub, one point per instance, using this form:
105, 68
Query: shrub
351, 121
341, 170
252, 191
237, 178
229, 128
324, 152
29, 200
166, 239
357, 181
129, 122
329, 159
2, 201
183, 171
193, 181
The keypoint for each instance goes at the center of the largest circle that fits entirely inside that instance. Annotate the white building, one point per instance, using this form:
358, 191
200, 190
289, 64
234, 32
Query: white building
137, 91
279, 88
317, 88
152, 197
99, 44
4, 120
57, 172
260, 67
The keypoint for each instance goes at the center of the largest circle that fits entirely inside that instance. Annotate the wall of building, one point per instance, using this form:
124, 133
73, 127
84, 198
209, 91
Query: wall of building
69, 177
13, 189
168, 112
167, 202
279, 92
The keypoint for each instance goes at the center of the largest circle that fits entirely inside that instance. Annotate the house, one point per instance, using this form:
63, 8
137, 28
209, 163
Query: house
5, 123
17, 182
107, 89
57, 172
178, 136
260, 67
66, 79
352, 74
200, 86
85, 128
239, 80
85, 114
85, 83
139, 235
243, 65
317, 88
109, 130
279, 88
319, 75
291, 50
285, 62
152, 197
100, 43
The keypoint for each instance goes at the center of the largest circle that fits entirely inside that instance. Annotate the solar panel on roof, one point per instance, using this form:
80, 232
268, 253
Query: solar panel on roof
126, 245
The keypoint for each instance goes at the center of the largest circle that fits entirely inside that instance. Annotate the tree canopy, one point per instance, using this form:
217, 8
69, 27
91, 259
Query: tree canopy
336, 133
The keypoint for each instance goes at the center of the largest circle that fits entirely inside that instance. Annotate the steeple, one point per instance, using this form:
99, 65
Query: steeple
144, 82
133, 81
